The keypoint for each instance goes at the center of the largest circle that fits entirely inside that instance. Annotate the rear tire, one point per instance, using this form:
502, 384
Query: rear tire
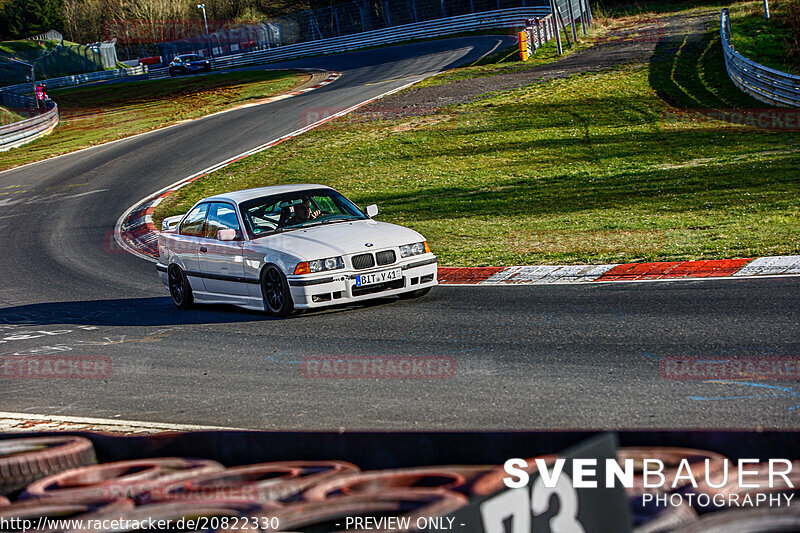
179, 288
275, 290
419, 293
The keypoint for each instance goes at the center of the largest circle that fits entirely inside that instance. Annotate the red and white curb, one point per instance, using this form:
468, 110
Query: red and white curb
673, 270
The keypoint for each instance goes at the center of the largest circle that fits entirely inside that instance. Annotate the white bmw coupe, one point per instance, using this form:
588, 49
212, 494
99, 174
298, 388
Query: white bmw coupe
289, 247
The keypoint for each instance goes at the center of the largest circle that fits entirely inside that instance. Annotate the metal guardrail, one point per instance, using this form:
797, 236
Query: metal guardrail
25, 131
77, 79
762, 83
504, 18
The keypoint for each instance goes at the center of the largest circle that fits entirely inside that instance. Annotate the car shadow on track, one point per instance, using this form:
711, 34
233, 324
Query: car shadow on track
149, 312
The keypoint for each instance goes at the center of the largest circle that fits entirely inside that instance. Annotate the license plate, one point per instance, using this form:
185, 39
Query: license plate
378, 277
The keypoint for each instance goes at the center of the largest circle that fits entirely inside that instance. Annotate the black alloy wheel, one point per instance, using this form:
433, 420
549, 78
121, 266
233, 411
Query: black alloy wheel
179, 288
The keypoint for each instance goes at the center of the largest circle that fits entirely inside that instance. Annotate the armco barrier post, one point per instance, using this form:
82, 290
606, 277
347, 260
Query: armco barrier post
561, 26
583, 14
539, 41
556, 31
572, 21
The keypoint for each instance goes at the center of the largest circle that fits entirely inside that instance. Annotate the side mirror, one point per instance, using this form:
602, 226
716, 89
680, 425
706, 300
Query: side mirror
372, 210
226, 235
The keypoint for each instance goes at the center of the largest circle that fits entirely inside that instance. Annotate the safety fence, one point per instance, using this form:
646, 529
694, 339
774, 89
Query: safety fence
354, 18
24, 131
49, 35
762, 83
56, 59
47, 478
506, 18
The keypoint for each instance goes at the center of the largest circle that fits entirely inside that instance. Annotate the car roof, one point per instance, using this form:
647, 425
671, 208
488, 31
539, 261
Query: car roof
249, 194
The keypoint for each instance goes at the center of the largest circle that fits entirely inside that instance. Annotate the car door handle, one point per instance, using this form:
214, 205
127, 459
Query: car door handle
203, 249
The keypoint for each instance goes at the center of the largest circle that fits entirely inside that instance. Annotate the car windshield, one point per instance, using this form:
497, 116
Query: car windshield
300, 209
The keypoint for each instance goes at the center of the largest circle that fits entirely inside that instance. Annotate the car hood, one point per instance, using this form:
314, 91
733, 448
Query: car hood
342, 238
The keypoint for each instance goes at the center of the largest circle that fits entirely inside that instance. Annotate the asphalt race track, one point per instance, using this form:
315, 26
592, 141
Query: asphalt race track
577, 356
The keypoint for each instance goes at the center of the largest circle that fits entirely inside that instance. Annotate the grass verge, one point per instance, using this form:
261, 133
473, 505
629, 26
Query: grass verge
101, 113
588, 169
7, 117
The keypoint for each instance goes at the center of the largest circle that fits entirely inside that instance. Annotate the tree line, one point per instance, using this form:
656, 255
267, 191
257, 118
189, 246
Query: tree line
86, 21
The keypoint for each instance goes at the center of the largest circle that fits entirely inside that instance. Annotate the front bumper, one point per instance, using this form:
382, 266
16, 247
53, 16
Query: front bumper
339, 287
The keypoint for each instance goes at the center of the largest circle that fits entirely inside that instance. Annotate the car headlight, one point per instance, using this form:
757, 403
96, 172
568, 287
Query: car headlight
319, 265
417, 248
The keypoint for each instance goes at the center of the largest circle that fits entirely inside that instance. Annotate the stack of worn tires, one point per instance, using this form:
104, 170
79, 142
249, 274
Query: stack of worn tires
59, 478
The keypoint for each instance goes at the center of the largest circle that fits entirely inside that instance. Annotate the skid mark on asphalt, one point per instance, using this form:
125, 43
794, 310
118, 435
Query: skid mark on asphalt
771, 391
778, 392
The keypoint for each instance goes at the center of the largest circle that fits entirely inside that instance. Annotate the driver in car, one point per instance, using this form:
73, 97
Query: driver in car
303, 213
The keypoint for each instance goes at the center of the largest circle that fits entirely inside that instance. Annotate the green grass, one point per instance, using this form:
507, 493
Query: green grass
764, 41
25, 50
7, 117
588, 169
101, 113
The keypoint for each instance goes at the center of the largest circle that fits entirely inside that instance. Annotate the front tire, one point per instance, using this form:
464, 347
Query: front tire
179, 288
419, 293
275, 290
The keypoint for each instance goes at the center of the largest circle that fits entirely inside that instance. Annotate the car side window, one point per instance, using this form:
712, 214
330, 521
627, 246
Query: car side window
220, 216
194, 221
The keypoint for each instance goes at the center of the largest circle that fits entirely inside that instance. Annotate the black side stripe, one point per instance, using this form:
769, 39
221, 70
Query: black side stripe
221, 277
